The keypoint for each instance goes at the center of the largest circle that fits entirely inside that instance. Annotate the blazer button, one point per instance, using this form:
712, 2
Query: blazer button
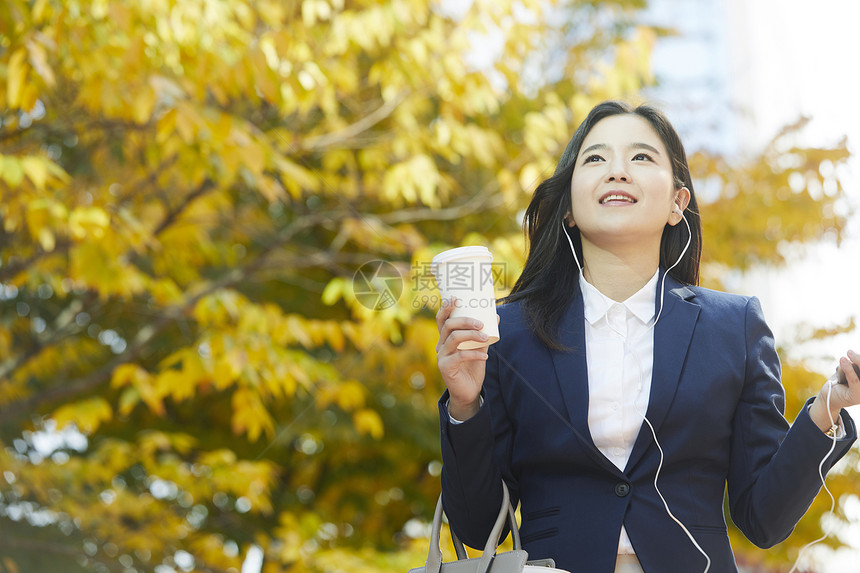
622, 489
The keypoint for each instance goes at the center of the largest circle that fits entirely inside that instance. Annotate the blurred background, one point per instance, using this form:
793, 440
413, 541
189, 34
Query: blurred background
217, 344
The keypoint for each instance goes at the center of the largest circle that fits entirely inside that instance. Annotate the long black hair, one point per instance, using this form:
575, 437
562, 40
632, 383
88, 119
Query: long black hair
549, 279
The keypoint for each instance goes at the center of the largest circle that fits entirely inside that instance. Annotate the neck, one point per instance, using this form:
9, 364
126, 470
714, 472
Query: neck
618, 274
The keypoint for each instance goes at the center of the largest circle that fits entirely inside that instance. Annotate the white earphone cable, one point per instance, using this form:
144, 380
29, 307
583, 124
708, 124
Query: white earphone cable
627, 348
821, 475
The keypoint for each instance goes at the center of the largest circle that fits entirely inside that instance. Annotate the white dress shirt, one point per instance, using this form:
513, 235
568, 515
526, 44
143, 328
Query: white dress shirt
619, 344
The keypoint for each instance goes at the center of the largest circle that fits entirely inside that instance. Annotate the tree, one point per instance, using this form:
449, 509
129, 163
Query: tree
189, 366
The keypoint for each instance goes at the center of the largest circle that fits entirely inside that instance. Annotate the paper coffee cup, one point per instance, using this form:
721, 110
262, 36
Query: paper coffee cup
466, 274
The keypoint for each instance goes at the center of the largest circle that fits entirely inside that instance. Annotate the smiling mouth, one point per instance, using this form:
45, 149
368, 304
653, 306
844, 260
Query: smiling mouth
617, 198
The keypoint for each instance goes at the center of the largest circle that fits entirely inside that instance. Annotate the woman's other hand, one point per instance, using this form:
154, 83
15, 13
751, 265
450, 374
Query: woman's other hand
841, 395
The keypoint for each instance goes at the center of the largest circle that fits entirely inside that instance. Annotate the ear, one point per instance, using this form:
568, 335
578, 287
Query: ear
568, 219
682, 199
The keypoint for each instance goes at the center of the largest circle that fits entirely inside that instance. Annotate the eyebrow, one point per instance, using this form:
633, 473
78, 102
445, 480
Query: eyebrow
602, 146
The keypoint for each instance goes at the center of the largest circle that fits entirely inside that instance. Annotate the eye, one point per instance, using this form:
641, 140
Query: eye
642, 157
592, 159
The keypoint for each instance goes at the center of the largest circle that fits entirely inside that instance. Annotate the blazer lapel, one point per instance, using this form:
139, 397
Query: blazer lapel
672, 335
571, 373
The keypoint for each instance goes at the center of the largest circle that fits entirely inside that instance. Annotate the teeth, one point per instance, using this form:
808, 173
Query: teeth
617, 198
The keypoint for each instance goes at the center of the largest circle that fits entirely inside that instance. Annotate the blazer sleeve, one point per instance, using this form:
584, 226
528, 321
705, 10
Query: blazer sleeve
773, 476
475, 457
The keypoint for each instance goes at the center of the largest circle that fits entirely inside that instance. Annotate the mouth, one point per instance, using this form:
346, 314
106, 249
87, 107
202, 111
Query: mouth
617, 198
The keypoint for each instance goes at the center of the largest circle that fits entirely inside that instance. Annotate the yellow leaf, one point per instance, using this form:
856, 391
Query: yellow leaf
143, 104
87, 414
254, 158
165, 126
17, 77
39, 61
126, 375
46, 239
228, 368
261, 72
412, 180
175, 384
57, 171
297, 179
129, 398
333, 291
88, 222
11, 171
368, 422
185, 124
309, 13
143, 385
250, 415
10, 565
350, 395
334, 335
271, 189
165, 291
36, 171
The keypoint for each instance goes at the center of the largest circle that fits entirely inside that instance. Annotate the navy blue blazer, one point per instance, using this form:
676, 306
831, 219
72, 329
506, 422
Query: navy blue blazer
716, 404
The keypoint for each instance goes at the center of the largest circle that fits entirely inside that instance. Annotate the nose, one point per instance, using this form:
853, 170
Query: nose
617, 171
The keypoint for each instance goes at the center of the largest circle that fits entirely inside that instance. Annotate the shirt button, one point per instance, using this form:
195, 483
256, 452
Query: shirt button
615, 405
622, 489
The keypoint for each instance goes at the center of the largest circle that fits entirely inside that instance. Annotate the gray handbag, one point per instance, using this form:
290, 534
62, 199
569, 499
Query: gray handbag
515, 561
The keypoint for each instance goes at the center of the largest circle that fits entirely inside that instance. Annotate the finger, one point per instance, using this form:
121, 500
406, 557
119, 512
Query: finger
457, 337
452, 342
850, 368
445, 311
455, 324
465, 356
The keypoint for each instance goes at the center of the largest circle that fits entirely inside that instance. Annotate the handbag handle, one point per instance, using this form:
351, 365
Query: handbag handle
515, 534
506, 513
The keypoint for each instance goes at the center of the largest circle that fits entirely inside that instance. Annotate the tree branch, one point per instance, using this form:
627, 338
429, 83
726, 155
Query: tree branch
58, 332
10, 270
37, 545
353, 130
476, 204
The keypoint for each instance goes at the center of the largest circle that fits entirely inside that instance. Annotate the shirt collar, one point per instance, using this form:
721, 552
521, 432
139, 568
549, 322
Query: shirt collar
641, 304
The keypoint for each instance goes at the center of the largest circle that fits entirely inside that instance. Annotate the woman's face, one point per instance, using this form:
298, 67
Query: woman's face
622, 189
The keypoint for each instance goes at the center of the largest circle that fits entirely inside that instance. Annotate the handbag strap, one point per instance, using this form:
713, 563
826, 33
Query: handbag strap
434, 557
459, 548
506, 513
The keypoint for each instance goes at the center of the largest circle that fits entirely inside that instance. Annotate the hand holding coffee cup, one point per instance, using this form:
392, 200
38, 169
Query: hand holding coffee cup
467, 323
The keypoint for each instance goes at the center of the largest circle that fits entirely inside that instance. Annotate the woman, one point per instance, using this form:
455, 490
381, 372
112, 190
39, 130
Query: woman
622, 399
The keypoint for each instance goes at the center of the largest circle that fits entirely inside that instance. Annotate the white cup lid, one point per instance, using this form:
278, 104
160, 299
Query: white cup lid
472, 251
